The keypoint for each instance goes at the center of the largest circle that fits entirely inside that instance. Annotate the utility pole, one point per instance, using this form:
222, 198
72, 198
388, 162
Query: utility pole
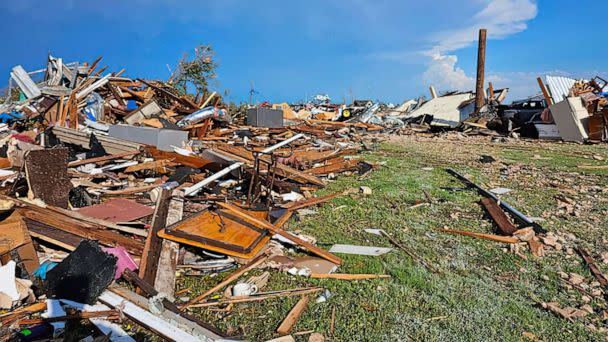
481, 63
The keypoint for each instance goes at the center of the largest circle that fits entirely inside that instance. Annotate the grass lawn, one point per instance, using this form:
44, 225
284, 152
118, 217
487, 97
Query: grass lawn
482, 291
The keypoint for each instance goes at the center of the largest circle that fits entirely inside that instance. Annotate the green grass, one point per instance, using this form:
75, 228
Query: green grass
481, 292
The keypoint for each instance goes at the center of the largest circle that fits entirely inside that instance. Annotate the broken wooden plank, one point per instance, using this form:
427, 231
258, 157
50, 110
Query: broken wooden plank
169, 252
132, 190
597, 273
333, 166
491, 237
311, 201
276, 230
151, 252
499, 216
260, 297
293, 316
192, 161
156, 165
102, 158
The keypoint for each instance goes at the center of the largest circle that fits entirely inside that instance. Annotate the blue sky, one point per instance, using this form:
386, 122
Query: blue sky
386, 50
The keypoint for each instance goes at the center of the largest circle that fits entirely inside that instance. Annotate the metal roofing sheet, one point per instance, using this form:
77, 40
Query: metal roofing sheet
559, 87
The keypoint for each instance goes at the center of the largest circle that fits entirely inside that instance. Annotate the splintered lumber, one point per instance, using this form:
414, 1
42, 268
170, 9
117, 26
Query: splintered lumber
338, 165
284, 218
22, 312
346, 276
102, 158
492, 237
156, 165
293, 316
260, 297
499, 216
94, 65
107, 224
151, 253
133, 190
517, 215
57, 219
232, 277
192, 161
78, 316
311, 201
276, 230
597, 273
82, 229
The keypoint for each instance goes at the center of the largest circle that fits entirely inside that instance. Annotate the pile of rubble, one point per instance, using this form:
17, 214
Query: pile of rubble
111, 184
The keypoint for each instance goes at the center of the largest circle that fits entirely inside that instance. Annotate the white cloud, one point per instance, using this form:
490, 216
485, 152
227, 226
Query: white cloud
501, 18
443, 73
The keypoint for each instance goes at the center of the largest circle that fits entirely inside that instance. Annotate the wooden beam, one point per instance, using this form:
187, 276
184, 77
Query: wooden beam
151, 253
94, 65
276, 230
597, 273
169, 251
492, 237
293, 316
311, 201
545, 92
499, 216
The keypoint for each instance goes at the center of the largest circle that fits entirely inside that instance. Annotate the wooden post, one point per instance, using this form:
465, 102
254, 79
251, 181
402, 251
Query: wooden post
149, 260
490, 91
433, 92
481, 63
544, 90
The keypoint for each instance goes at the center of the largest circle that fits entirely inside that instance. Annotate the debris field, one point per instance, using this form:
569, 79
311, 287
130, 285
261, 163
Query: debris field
130, 210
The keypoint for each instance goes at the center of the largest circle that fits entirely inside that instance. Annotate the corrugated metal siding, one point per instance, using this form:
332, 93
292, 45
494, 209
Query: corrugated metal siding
559, 87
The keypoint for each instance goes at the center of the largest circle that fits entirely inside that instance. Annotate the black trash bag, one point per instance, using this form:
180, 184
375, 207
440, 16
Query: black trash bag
83, 275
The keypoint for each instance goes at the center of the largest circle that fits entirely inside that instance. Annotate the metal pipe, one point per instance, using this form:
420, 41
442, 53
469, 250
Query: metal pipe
192, 190
523, 219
